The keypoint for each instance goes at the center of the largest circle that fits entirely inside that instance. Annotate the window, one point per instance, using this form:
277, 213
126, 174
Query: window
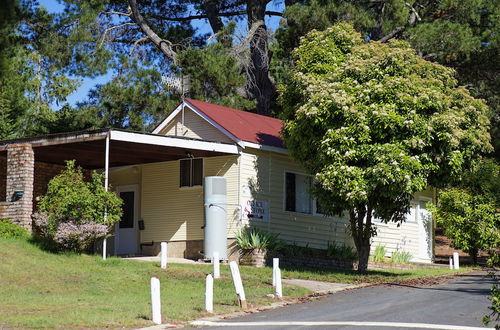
191, 172
297, 197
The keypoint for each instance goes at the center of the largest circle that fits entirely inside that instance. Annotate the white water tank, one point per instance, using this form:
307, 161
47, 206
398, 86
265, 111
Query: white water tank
215, 199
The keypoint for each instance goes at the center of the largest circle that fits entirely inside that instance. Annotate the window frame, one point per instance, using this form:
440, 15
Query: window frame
190, 186
312, 200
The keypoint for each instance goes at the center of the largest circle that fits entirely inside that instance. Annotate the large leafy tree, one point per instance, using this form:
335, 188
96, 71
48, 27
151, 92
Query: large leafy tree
376, 123
463, 35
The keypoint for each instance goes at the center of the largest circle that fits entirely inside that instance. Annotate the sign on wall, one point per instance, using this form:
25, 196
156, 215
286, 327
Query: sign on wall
256, 210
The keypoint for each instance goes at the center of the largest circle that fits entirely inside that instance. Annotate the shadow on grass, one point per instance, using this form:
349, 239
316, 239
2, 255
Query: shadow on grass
344, 272
43, 244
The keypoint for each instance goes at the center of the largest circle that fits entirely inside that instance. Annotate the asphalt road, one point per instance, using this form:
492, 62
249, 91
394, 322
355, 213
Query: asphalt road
462, 302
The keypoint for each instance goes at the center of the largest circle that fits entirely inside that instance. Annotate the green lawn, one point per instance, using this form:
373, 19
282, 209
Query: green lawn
41, 289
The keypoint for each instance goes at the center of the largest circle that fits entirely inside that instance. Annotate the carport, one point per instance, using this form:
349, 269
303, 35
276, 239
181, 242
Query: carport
27, 164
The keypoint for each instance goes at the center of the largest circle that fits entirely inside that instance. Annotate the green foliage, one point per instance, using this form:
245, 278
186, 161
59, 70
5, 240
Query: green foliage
470, 220
460, 34
401, 257
494, 259
375, 124
135, 99
251, 238
469, 211
72, 209
215, 76
340, 251
494, 315
379, 253
11, 230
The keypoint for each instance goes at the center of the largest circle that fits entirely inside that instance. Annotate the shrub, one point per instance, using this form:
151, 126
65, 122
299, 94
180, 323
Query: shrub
401, 257
72, 211
254, 238
341, 252
11, 230
379, 253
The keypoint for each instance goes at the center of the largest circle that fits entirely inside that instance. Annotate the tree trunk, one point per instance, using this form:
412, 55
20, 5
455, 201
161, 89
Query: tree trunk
260, 86
211, 9
473, 254
363, 257
361, 222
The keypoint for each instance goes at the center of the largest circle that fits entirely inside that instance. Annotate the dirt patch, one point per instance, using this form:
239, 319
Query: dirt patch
424, 281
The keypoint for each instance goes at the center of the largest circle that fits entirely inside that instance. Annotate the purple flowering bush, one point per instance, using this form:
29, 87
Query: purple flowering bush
79, 236
71, 213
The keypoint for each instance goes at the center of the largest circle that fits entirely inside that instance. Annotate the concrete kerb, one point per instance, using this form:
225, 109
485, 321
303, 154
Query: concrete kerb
318, 289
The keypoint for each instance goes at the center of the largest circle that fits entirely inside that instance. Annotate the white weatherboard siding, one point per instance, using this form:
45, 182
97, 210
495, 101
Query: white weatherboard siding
263, 179
409, 236
172, 213
194, 127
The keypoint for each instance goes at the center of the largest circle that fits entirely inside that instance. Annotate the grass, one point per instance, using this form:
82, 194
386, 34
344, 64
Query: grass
42, 289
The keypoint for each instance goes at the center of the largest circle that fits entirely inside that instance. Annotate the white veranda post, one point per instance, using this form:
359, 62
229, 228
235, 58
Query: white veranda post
106, 181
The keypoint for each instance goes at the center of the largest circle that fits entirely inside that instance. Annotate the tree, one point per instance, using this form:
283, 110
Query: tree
375, 123
468, 212
35, 73
161, 33
463, 35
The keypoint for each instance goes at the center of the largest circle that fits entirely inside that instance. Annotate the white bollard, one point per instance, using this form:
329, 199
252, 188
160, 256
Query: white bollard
451, 262
276, 264
279, 292
456, 262
104, 247
238, 285
163, 255
216, 261
155, 300
209, 294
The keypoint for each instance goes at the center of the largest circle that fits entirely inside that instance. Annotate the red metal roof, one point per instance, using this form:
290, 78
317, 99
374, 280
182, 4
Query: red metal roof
246, 126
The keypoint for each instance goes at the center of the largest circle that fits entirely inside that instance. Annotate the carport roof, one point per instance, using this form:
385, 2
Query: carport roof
126, 147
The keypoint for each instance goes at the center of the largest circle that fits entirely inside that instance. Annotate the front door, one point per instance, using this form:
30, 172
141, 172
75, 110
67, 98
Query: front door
126, 230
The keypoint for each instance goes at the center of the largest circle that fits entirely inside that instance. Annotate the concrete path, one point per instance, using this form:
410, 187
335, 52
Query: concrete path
170, 260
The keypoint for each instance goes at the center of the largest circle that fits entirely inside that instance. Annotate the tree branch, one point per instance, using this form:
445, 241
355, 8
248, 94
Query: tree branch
112, 28
411, 21
117, 13
165, 46
391, 34
191, 17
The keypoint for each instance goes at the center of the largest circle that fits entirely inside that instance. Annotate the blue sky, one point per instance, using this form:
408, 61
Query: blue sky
87, 83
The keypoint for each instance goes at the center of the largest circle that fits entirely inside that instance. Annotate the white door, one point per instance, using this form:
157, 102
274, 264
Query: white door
126, 230
425, 230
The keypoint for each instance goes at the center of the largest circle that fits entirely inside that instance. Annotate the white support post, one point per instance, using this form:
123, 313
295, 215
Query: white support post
238, 285
155, 300
279, 291
163, 255
209, 294
216, 261
451, 262
276, 264
456, 262
106, 184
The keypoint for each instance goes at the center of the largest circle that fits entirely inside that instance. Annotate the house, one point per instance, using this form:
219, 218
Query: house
160, 178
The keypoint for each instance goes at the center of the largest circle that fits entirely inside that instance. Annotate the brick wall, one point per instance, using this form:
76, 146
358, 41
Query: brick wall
20, 176
3, 178
44, 172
